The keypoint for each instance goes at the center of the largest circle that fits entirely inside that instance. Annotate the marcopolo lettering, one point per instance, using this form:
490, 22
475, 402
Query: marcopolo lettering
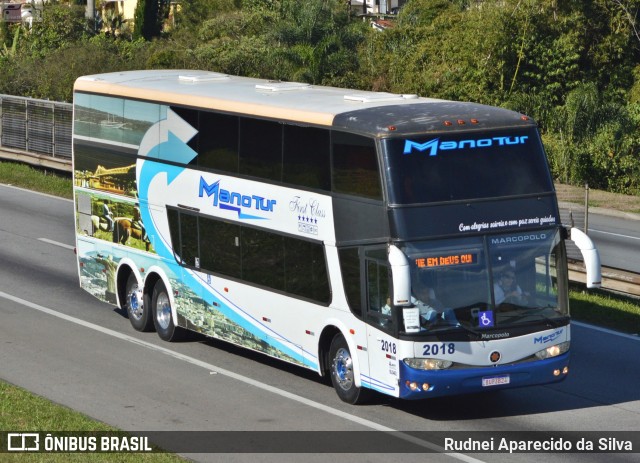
435, 145
494, 335
225, 199
519, 238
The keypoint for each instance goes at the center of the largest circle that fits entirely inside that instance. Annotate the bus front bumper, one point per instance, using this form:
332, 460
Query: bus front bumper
423, 384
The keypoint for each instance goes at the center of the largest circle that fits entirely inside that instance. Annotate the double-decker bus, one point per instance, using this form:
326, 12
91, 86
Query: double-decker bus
398, 244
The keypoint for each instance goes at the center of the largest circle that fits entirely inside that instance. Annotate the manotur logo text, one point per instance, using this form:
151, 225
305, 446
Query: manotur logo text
435, 145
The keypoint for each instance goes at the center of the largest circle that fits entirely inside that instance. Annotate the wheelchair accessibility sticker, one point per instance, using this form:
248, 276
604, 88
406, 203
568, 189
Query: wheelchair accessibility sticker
485, 319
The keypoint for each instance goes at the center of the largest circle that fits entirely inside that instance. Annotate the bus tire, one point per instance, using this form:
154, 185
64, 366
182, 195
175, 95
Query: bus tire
137, 311
341, 370
162, 320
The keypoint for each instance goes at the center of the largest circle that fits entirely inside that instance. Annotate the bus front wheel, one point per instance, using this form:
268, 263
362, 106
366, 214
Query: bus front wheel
162, 319
137, 311
342, 375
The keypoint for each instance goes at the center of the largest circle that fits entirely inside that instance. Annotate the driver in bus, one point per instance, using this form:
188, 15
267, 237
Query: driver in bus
506, 289
425, 299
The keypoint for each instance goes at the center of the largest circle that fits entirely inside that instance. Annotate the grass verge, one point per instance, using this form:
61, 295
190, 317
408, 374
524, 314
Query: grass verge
34, 179
598, 198
606, 309
23, 411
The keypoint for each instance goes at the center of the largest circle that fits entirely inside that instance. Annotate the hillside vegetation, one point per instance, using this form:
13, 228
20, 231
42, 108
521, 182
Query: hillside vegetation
573, 66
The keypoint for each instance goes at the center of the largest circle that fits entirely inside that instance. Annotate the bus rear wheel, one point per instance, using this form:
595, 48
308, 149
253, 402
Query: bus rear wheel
162, 319
342, 375
137, 310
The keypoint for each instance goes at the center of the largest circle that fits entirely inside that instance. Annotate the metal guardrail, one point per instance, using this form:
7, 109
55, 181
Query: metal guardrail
37, 132
613, 279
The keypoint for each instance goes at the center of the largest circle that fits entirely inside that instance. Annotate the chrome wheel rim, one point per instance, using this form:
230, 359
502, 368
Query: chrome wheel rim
135, 302
343, 369
163, 311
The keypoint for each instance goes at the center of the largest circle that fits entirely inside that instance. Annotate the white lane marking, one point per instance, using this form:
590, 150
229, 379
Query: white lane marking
635, 337
56, 243
615, 234
7, 185
210, 367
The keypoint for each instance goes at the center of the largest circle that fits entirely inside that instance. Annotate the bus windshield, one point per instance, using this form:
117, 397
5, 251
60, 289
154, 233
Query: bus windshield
464, 166
486, 282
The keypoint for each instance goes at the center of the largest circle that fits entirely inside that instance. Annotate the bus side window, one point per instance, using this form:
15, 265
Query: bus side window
373, 285
307, 157
189, 251
379, 293
351, 278
184, 237
355, 166
218, 142
220, 247
174, 229
262, 258
261, 148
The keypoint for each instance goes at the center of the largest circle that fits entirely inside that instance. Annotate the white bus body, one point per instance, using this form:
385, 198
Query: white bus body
302, 222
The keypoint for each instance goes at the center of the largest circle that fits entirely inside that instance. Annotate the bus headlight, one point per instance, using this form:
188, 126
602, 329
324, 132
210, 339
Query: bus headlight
428, 364
553, 351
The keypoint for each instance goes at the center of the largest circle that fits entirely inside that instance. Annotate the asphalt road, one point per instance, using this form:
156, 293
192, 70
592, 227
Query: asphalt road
61, 343
615, 234
618, 241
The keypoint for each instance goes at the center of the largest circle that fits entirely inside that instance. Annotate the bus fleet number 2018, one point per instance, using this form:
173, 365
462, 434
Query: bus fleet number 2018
388, 346
439, 349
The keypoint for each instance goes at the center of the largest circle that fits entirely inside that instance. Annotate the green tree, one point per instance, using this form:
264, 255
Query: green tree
592, 140
9, 47
45, 78
195, 12
311, 41
147, 22
61, 25
440, 50
195, 20
317, 41
115, 24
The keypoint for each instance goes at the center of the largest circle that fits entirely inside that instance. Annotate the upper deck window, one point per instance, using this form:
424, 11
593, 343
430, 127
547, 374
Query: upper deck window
464, 166
355, 166
306, 157
261, 148
218, 141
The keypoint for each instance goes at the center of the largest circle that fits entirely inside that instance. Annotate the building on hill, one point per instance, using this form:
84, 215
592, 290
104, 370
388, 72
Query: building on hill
376, 6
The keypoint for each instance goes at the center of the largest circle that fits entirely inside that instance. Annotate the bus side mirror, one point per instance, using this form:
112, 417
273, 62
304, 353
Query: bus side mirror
590, 255
401, 277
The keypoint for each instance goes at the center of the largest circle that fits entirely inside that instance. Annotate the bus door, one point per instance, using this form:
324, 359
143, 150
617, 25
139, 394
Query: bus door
382, 346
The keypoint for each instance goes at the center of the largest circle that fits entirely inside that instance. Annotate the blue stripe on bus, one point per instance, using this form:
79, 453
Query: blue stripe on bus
148, 171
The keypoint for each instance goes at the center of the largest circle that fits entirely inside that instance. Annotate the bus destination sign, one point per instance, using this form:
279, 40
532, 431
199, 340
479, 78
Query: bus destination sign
447, 260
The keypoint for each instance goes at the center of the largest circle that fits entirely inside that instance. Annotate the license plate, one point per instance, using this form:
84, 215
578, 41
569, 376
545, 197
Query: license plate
495, 380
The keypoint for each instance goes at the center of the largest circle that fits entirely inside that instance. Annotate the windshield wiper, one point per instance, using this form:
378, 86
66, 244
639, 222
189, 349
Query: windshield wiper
443, 324
523, 313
